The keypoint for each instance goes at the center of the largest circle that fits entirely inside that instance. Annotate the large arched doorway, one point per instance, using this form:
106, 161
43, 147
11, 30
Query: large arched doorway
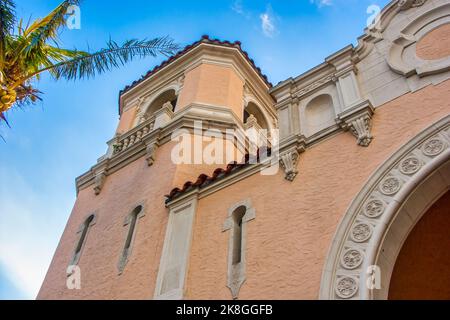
372, 244
422, 268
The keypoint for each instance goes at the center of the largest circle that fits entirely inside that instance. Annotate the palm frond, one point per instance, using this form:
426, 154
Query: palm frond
47, 28
86, 65
7, 22
8, 17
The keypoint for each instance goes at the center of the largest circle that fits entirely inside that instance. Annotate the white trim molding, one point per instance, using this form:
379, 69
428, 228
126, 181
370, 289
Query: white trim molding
173, 268
236, 271
402, 56
358, 119
386, 207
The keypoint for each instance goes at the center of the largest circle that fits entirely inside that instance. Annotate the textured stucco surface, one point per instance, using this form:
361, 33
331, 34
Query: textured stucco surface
213, 85
295, 222
122, 191
422, 269
287, 242
435, 45
98, 263
126, 120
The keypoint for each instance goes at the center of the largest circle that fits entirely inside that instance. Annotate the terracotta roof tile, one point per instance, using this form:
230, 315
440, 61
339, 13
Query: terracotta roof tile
204, 39
204, 180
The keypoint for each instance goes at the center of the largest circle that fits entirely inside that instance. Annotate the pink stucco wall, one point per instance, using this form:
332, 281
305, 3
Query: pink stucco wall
295, 222
288, 241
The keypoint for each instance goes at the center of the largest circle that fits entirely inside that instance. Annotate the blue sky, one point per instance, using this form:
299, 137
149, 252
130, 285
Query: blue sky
52, 143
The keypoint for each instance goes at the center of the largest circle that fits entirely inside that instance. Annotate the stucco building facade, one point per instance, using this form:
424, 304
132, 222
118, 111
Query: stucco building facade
350, 202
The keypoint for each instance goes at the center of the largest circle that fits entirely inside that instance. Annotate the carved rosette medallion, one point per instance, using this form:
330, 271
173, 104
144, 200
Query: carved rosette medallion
346, 287
359, 238
390, 186
361, 232
374, 208
410, 165
433, 147
352, 259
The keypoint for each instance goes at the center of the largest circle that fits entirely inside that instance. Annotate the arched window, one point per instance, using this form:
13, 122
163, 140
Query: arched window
319, 114
237, 221
83, 231
253, 109
238, 215
167, 96
131, 222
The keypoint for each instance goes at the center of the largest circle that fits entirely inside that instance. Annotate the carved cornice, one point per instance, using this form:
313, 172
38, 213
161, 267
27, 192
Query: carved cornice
203, 51
324, 73
141, 141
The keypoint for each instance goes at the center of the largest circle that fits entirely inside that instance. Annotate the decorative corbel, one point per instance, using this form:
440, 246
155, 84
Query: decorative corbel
289, 161
151, 153
99, 182
180, 83
360, 128
359, 121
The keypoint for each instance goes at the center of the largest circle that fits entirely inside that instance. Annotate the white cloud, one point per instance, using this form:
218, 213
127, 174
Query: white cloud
322, 3
237, 7
30, 226
268, 23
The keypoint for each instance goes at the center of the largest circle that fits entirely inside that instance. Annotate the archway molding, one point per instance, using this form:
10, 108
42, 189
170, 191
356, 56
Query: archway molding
378, 221
250, 99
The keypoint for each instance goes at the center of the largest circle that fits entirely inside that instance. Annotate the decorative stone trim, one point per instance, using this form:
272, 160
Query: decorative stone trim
236, 272
151, 153
124, 256
134, 136
352, 258
164, 115
100, 178
402, 57
374, 208
361, 233
408, 4
358, 120
223, 119
346, 287
289, 161
173, 268
83, 228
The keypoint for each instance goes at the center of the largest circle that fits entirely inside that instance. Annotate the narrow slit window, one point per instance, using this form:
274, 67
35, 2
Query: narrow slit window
81, 241
131, 221
238, 215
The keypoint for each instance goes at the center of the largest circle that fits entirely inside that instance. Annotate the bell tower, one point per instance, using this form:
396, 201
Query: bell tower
121, 237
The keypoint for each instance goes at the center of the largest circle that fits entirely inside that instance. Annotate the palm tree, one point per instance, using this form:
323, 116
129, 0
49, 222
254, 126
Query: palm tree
27, 52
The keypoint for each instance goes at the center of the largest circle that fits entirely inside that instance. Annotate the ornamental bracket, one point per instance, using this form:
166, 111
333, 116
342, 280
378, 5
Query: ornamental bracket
99, 182
358, 120
290, 156
151, 149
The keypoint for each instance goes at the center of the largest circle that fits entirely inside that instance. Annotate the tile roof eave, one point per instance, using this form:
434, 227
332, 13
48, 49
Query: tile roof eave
205, 39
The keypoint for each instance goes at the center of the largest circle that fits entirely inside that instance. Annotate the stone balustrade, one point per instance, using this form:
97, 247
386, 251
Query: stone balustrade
134, 136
